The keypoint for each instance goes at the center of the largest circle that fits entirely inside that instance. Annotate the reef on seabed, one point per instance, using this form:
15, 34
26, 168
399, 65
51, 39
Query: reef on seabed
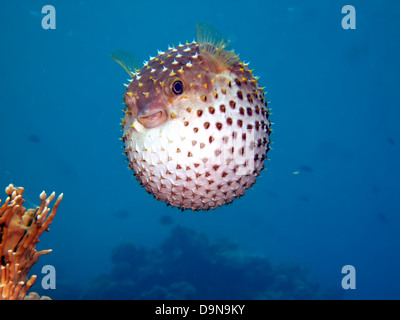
188, 266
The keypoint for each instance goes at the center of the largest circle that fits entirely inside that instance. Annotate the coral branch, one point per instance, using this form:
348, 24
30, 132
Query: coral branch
20, 230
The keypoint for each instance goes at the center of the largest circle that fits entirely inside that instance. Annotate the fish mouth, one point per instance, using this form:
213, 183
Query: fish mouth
154, 119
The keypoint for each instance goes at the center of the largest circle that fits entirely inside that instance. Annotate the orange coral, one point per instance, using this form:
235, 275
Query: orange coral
20, 230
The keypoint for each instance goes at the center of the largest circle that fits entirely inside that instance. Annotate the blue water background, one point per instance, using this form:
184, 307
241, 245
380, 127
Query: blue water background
334, 97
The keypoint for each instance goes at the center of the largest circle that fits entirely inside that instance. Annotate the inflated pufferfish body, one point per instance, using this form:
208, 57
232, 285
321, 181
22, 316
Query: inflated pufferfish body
196, 128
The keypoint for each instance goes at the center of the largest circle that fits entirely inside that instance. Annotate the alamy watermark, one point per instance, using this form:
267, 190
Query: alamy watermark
49, 279
49, 20
349, 280
349, 20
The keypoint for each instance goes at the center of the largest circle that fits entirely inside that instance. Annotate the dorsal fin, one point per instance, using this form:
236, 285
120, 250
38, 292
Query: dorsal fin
126, 60
212, 46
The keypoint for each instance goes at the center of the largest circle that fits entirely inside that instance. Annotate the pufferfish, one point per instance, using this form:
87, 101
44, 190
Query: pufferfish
196, 127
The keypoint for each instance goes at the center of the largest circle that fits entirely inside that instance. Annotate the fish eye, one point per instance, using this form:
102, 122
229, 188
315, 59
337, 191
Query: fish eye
177, 87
